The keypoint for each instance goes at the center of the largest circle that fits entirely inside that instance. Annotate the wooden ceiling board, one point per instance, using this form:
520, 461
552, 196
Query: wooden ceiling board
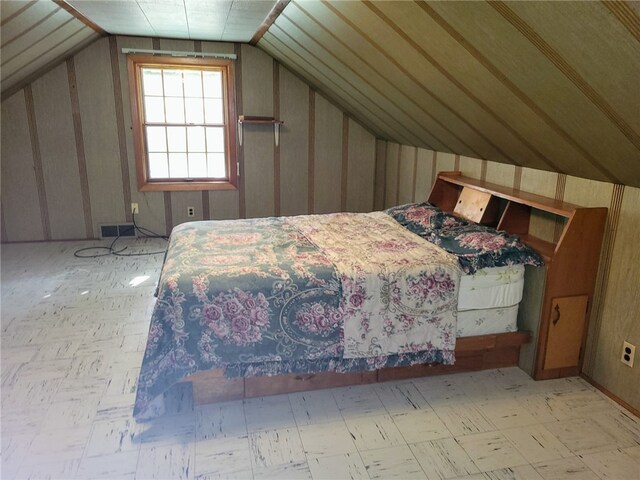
345, 64
595, 44
373, 68
557, 100
22, 21
334, 92
416, 84
416, 58
486, 87
277, 50
422, 83
365, 93
116, 17
330, 86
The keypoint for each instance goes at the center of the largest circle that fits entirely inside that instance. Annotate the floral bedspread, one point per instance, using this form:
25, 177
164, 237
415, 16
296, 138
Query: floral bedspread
399, 293
269, 296
475, 246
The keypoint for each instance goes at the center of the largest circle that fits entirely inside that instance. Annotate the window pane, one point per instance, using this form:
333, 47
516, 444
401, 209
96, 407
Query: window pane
216, 165
178, 165
158, 166
215, 139
152, 81
195, 110
156, 139
197, 165
213, 110
195, 135
172, 83
175, 110
212, 84
154, 109
192, 83
177, 137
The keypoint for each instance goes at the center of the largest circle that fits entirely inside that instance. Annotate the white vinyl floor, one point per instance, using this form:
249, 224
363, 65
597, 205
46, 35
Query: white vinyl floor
73, 336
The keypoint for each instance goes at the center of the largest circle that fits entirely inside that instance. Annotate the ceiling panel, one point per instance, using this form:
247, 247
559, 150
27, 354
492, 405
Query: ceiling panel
228, 20
34, 35
549, 85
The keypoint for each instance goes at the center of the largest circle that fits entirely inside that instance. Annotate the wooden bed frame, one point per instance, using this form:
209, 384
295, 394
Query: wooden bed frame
563, 290
472, 354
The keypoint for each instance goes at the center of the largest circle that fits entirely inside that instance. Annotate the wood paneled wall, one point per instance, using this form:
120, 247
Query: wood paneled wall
614, 314
68, 160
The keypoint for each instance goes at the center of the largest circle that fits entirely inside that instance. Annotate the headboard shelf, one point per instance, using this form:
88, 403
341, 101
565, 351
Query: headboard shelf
571, 262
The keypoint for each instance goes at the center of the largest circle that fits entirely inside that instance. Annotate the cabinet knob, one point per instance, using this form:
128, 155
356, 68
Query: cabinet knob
556, 314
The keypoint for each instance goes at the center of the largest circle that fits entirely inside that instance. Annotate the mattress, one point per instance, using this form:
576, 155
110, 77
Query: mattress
495, 287
487, 321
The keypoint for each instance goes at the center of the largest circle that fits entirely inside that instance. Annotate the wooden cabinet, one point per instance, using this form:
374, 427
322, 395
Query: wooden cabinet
571, 263
566, 324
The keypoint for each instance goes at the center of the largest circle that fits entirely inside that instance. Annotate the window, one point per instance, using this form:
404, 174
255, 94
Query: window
183, 123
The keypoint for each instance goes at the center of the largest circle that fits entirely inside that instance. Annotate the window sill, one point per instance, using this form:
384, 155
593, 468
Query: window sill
186, 186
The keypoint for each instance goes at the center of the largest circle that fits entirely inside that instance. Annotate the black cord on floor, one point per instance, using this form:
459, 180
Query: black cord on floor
110, 250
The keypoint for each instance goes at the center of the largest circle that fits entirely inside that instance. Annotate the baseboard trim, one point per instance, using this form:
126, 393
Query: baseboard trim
612, 396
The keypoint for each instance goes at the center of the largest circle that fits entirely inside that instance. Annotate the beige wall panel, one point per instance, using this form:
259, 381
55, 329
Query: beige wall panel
543, 183
424, 175
258, 168
294, 144
151, 204
100, 134
445, 162
406, 172
532, 72
52, 105
257, 98
19, 191
621, 307
361, 169
217, 47
224, 205
381, 167
587, 193
539, 182
471, 167
180, 201
391, 174
328, 162
500, 174
257, 82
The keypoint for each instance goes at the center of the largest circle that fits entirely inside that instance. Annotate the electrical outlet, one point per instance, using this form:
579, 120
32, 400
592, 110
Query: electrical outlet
191, 211
134, 209
628, 352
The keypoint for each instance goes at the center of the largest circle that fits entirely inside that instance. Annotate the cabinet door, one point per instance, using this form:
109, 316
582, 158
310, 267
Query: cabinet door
566, 326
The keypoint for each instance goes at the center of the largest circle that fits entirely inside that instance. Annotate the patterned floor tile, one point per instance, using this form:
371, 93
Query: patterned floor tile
420, 426
491, 451
348, 465
327, 439
536, 443
443, 458
275, 447
395, 462
313, 407
370, 433
566, 469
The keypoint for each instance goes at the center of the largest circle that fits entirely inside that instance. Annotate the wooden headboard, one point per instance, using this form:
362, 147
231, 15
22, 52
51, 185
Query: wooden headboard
571, 263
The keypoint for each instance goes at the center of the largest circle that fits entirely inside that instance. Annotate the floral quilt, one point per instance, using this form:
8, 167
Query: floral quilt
278, 295
475, 246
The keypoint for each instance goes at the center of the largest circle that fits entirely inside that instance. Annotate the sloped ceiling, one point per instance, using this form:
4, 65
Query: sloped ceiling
547, 85
36, 34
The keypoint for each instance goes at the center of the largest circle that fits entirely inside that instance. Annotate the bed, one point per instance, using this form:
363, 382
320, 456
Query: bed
327, 300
